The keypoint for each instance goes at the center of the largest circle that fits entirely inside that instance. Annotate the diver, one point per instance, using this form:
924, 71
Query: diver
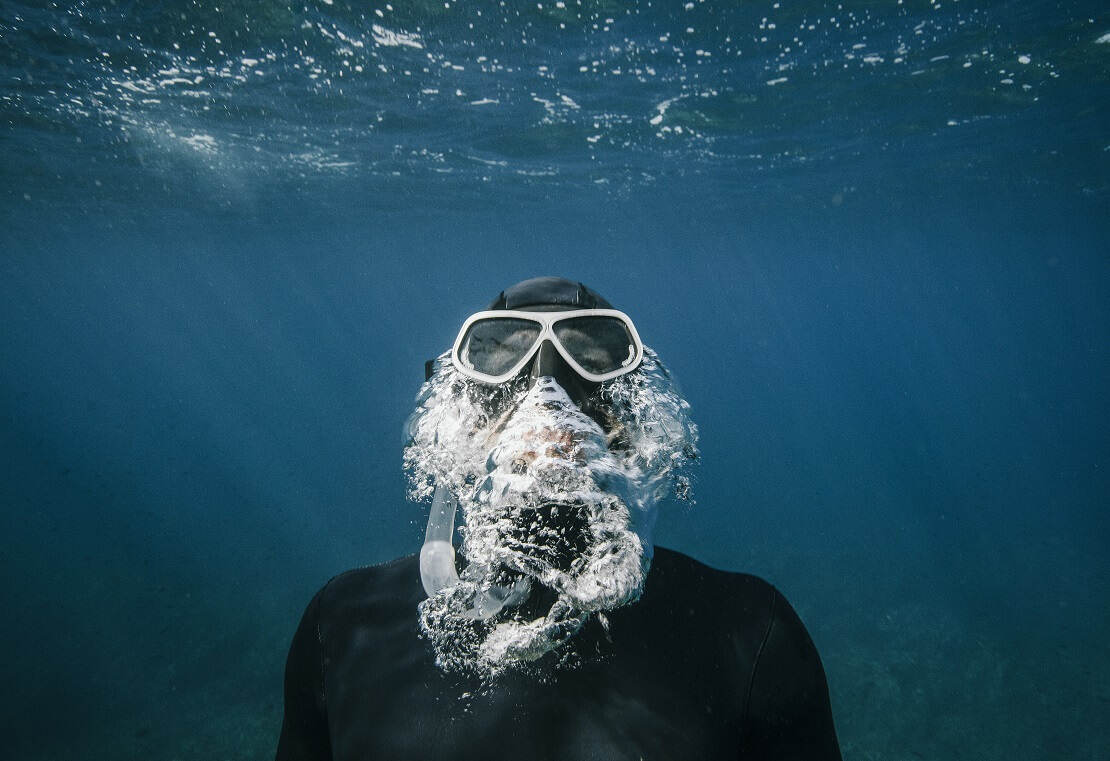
558, 630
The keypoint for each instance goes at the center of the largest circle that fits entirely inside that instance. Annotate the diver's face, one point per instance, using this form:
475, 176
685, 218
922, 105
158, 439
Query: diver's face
557, 521
541, 454
547, 463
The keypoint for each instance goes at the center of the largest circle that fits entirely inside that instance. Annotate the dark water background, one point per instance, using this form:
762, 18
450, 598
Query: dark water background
231, 238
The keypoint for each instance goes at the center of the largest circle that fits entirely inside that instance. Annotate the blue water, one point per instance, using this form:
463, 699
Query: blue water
869, 239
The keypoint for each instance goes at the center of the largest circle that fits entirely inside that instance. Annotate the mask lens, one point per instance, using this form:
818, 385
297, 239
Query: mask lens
599, 344
494, 346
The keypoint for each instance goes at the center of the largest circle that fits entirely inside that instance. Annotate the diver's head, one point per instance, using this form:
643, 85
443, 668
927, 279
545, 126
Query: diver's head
549, 327
556, 433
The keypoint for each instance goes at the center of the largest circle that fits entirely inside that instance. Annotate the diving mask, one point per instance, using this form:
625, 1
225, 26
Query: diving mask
598, 344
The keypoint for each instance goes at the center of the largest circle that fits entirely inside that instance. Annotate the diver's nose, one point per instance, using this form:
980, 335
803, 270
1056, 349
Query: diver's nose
548, 363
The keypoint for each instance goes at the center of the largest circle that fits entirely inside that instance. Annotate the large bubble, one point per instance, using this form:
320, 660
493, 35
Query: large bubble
558, 509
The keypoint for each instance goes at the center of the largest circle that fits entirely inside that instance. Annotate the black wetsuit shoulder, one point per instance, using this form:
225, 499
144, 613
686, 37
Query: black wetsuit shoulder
706, 665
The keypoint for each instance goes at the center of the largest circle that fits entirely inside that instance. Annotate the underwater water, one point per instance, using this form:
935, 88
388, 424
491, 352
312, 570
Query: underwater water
870, 240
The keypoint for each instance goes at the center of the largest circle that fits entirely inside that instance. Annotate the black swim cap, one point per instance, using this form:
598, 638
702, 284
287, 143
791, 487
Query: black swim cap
549, 291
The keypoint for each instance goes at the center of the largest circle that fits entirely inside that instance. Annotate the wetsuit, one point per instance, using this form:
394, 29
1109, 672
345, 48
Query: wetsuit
706, 665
